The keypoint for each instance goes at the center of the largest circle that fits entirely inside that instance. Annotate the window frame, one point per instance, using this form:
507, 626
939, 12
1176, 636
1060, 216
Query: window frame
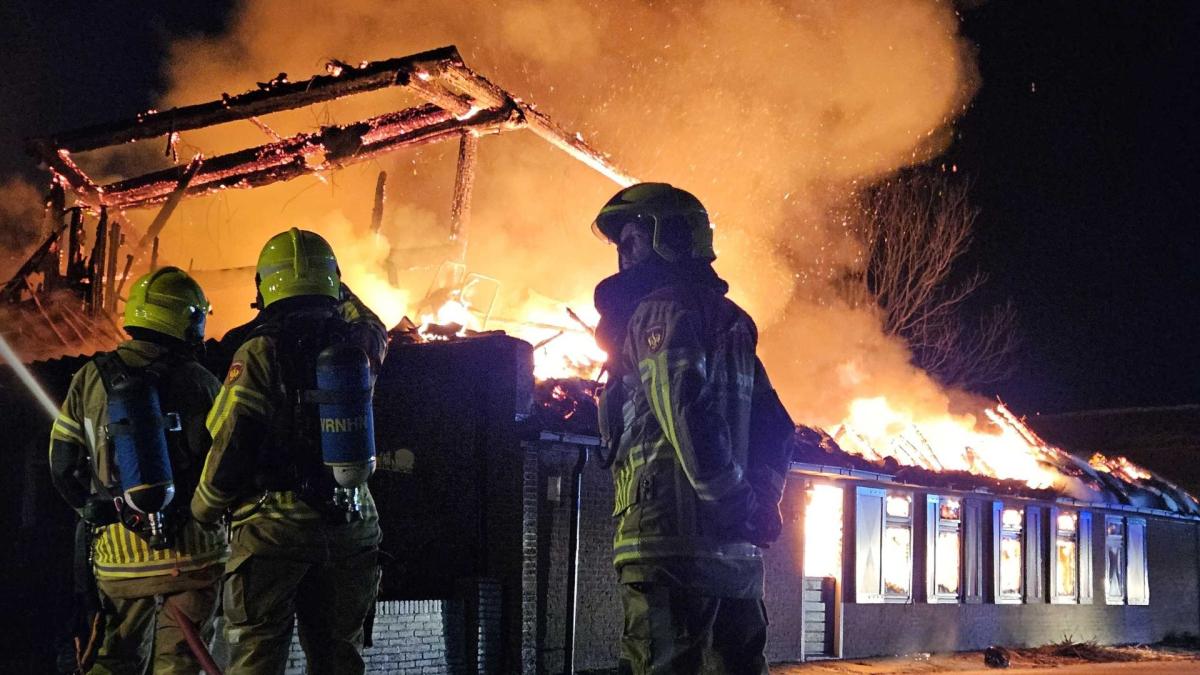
869, 583
938, 524
1137, 557
1000, 531
1121, 541
1057, 535
889, 522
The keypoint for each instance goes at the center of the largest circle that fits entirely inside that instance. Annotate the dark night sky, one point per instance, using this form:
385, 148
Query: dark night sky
1081, 145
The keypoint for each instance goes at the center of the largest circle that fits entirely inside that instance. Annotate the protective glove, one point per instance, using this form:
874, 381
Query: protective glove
98, 511
765, 523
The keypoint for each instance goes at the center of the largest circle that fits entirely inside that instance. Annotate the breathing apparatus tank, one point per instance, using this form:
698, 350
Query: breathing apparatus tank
137, 433
345, 419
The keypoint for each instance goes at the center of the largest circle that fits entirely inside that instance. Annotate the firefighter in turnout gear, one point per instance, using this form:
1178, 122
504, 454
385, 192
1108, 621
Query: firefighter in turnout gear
687, 399
293, 446
126, 452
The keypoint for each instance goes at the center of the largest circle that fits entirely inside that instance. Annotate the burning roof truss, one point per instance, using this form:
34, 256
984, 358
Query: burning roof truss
460, 104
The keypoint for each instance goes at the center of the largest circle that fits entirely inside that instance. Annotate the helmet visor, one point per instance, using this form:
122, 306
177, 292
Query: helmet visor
608, 226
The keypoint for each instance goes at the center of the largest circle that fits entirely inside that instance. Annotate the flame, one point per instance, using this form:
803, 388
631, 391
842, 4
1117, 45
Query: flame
453, 312
1119, 466
876, 428
823, 531
564, 345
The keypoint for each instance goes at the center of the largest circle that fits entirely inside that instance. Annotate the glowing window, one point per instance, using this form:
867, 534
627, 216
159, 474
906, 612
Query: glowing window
897, 561
1114, 560
883, 546
950, 509
897, 547
823, 531
899, 506
1066, 522
1011, 518
946, 558
1137, 580
946, 573
1066, 553
1011, 564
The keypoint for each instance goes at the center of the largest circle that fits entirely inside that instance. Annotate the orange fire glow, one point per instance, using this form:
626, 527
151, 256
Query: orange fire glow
875, 428
1119, 466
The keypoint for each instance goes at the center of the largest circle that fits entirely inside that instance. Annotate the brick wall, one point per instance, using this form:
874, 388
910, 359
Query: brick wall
412, 636
430, 637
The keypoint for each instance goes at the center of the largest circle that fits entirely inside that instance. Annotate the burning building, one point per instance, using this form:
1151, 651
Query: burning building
904, 532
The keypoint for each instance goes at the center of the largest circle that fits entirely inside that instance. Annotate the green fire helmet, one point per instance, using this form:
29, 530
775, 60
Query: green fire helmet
295, 263
170, 302
677, 219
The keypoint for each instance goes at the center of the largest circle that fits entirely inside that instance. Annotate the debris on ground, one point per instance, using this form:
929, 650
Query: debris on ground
995, 657
1066, 652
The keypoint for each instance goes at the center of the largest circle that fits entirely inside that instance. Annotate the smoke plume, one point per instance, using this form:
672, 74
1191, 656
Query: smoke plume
773, 112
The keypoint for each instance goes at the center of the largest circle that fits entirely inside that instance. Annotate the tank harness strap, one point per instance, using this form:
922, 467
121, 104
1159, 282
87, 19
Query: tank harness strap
113, 371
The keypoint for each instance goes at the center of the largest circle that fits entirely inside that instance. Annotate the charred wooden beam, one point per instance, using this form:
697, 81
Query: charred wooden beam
331, 147
460, 100
60, 163
110, 268
424, 85
479, 88
380, 201
464, 185
168, 207
342, 81
96, 265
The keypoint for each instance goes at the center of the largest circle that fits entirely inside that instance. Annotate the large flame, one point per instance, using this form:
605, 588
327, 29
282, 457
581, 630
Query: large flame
876, 429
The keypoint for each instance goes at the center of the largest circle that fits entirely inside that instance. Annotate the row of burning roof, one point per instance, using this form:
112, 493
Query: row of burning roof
911, 457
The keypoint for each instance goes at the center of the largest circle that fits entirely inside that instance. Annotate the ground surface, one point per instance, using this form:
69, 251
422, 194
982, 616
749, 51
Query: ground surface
1074, 659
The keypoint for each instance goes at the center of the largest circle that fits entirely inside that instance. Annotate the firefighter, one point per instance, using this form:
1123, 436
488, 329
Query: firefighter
126, 452
305, 531
693, 505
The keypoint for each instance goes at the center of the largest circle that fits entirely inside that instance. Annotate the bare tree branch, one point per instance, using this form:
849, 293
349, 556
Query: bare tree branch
914, 229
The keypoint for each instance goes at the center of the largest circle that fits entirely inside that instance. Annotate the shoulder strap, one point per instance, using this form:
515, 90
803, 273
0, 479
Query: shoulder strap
112, 370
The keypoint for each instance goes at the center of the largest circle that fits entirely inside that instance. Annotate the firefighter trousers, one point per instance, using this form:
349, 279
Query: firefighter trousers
140, 631
328, 601
674, 630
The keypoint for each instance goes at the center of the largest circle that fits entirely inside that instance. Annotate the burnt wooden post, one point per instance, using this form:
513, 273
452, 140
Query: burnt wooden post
73, 271
380, 199
464, 185
55, 206
110, 268
96, 265
168, 207
124, 278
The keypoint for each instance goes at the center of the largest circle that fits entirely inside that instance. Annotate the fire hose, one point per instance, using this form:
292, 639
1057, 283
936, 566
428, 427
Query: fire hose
195, 643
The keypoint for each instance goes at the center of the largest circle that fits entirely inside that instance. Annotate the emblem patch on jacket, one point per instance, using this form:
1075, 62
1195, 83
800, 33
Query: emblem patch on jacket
654, 338
235, 371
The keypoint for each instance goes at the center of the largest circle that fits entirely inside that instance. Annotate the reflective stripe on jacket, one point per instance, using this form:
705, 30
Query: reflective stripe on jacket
688, 377
118, 553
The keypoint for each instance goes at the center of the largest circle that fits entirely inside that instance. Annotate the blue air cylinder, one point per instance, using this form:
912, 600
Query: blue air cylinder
137, 433
347, 423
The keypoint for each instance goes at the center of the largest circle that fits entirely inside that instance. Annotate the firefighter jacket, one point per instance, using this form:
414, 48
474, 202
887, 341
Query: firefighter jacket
80, 455
218, 354
685, 381
251, 424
